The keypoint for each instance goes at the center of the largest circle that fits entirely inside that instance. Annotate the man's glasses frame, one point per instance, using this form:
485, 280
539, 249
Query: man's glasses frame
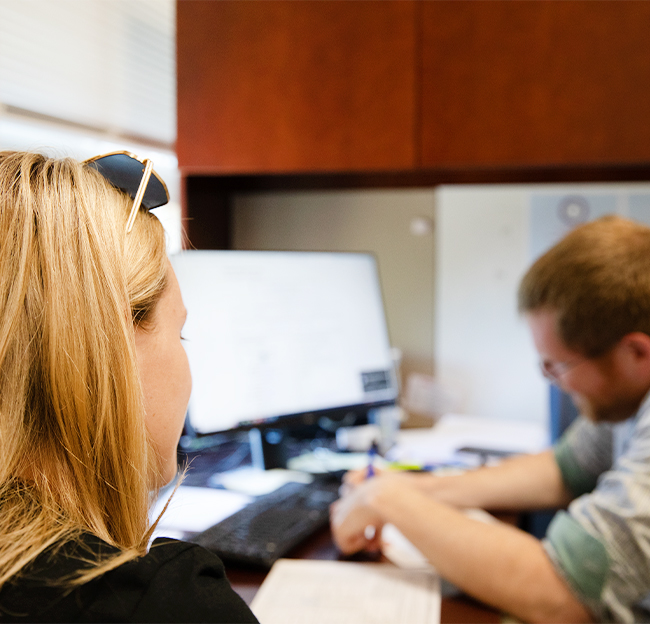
554, 370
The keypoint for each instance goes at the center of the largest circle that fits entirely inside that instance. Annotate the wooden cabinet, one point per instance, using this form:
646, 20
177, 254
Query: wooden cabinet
510, 83
296, 86
412, 86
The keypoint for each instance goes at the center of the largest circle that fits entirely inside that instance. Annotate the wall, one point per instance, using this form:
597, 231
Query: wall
374, 221
450, 295
486, 236
482, 349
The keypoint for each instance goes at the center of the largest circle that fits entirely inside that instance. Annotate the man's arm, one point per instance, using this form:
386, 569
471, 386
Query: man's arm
497, 564
520, 483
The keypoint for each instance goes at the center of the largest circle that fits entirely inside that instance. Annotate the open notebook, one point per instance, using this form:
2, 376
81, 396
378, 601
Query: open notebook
405, 591
322, 592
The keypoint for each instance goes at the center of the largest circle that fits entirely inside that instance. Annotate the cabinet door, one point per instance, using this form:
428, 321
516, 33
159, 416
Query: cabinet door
292, 86
535, 83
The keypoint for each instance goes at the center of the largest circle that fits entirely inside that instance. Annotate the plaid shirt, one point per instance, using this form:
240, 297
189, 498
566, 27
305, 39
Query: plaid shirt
601, 544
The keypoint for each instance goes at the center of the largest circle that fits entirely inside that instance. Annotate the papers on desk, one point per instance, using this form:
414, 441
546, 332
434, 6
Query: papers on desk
439, 444
322, 592
255, 481
323, 460
195, 509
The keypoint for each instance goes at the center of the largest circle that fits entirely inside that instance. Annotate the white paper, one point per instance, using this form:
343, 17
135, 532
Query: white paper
323, 460
439, 444
341, 592
256, 482
194, 509
400, 551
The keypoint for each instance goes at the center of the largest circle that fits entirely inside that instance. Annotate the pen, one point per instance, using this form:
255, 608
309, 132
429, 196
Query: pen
370, 472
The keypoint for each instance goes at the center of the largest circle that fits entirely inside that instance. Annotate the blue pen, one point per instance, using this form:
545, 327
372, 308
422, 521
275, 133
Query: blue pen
371, 457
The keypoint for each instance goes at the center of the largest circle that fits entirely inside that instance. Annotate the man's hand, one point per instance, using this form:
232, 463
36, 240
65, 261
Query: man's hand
355, 525
496, 563
355, 520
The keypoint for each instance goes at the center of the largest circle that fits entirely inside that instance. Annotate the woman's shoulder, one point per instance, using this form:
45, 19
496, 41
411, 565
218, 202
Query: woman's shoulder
174, 582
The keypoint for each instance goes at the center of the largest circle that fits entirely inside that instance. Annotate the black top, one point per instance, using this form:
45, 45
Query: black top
175, 582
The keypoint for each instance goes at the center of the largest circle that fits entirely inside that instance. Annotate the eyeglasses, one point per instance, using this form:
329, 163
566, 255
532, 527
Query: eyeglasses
554, 370
136, 177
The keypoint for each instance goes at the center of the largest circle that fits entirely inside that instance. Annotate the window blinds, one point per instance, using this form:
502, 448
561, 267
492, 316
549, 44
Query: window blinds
108, 65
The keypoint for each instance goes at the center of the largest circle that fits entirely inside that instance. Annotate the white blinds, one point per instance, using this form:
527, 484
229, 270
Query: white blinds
105, 64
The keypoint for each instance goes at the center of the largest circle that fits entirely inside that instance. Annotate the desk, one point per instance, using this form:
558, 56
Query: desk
456, 610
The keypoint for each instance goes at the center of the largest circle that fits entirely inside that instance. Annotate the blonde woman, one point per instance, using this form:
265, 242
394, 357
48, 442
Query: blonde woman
94, 384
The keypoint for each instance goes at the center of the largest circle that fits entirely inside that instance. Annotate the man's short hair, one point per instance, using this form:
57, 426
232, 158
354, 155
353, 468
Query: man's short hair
597, 280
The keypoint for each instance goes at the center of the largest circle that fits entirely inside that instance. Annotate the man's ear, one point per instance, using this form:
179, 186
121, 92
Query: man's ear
636, 351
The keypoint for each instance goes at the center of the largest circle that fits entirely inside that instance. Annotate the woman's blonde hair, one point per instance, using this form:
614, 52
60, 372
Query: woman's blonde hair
74, 451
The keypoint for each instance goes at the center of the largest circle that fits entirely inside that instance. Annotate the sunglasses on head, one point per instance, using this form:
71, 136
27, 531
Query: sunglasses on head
136, 177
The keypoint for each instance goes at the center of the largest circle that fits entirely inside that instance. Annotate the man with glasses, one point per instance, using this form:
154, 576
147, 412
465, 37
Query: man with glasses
587, 303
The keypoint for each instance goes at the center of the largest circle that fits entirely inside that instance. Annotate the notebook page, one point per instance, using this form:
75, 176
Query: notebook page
340, 592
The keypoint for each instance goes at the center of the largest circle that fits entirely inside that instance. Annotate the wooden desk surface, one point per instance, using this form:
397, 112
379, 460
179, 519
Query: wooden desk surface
455, 610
